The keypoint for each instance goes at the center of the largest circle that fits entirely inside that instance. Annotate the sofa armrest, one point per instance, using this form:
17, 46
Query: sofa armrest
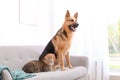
6, 75
79, 61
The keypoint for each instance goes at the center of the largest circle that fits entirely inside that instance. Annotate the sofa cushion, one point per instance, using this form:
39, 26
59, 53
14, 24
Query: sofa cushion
69, 74
14, 57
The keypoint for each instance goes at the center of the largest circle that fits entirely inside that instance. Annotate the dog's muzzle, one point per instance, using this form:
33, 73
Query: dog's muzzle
73, 26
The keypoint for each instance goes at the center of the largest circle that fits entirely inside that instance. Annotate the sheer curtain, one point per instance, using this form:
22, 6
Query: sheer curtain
90, 39
96, 48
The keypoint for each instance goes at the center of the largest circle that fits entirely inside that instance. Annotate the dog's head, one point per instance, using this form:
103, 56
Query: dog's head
70, 23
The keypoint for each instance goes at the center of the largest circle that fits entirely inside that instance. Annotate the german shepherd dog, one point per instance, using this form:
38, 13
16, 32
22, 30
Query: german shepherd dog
60, 44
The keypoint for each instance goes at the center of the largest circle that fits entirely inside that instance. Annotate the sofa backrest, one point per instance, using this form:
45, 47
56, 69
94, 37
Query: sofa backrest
14, 57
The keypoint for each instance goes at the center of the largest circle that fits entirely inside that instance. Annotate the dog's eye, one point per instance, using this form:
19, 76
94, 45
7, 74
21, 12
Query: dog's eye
71, 20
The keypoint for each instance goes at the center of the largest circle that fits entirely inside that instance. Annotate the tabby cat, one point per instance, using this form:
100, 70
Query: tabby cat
44, 65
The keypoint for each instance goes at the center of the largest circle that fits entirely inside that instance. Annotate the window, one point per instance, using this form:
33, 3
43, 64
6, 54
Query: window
114, 45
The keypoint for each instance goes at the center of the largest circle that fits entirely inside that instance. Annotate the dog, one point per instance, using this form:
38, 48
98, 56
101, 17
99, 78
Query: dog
60, 44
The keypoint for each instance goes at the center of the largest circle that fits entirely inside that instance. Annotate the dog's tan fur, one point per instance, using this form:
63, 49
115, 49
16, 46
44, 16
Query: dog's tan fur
61, 42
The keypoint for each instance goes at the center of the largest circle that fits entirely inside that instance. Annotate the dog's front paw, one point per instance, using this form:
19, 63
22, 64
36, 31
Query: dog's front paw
63, 69
70, 66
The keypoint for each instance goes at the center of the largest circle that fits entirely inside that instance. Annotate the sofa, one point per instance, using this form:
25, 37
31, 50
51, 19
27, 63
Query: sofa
14, 57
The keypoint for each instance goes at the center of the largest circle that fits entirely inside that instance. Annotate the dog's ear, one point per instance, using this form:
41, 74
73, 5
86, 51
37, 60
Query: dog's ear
67, 14
76, 15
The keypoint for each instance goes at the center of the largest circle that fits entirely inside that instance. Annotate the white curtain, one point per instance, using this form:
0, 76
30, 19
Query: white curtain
90, 39
96, 48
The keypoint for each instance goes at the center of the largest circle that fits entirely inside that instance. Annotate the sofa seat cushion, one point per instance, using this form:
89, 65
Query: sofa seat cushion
69, 74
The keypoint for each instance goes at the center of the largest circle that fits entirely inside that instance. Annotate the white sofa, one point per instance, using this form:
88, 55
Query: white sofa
14, 57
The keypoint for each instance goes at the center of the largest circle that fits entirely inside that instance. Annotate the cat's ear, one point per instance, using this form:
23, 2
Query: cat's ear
44, 59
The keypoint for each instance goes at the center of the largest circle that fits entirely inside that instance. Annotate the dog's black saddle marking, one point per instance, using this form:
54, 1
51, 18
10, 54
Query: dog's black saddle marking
48, 49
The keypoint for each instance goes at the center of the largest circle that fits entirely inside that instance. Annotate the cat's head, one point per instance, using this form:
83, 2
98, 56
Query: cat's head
49, 59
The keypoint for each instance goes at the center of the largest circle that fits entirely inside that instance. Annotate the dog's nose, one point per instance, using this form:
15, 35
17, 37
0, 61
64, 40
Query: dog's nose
77, 24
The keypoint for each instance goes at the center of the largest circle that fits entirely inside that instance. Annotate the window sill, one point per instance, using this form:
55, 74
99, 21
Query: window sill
115, 77
115, 72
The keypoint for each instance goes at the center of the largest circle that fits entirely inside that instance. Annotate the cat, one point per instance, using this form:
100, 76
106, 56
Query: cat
44, 65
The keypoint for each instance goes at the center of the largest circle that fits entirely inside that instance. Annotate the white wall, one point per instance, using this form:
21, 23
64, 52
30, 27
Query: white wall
13, 33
